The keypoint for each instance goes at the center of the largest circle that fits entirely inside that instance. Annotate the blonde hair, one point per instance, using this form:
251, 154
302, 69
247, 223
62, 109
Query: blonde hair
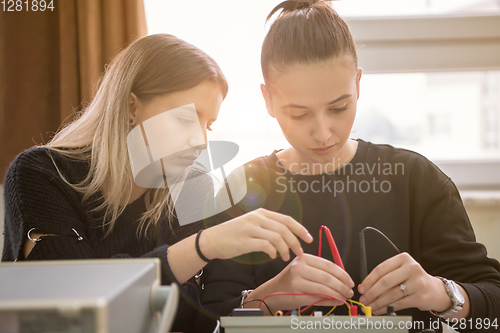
149, 67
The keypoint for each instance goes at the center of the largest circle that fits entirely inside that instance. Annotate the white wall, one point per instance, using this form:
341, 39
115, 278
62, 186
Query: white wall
485, 220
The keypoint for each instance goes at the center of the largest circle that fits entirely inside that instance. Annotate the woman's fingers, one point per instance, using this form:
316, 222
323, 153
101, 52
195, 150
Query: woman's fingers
385, 283
290, 240
327, 283
262, 245
381, 270
311, 274
403, 283
275, 239
294, 226
319, 288
331, 268
278, 229
232, 238
394, 297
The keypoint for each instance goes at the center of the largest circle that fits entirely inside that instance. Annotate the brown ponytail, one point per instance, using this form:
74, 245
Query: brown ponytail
305, 32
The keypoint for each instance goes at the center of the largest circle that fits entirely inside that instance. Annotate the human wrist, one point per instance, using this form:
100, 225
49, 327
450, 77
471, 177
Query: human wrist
458, 300
465, 312
442, 302
205, 246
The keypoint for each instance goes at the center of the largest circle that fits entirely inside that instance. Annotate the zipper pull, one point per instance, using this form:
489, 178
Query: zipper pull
80, 238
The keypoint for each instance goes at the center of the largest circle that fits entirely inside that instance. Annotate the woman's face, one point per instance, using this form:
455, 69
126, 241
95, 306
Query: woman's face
175, 125
315, 106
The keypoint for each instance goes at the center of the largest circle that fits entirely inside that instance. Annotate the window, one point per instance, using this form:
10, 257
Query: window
443, 115
432, 84
431, 75
385, 8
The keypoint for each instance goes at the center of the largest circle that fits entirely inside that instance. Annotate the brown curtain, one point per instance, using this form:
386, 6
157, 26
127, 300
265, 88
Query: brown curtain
51, 61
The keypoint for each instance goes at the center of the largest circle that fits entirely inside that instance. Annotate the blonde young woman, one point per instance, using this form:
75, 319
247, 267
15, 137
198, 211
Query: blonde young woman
76, 198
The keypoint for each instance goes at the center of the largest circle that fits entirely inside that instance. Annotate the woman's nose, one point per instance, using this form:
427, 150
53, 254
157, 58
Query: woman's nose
322, 131
199, 138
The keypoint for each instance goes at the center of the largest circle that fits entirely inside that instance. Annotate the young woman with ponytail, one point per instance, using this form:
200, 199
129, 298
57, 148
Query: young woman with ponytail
312, 83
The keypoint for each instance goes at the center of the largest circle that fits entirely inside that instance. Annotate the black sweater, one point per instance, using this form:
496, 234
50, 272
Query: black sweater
396, 191
37, 197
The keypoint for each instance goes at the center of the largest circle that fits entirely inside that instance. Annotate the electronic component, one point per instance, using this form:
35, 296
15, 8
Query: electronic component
390, 311
85, 296
247, 312
288, 324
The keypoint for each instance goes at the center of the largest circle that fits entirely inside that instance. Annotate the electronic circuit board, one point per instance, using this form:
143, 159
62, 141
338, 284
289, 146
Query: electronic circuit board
287, 324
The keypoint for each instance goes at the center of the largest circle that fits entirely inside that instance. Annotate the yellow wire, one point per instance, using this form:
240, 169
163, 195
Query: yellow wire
330, 311
348, 308
350, 300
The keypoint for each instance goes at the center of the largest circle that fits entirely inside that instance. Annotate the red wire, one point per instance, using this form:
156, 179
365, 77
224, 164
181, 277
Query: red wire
337, 260
333, 246
304, 294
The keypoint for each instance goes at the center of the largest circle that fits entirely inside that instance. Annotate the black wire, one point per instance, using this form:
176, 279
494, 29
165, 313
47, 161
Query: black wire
387, 238
364, 265
259, 300
364, 268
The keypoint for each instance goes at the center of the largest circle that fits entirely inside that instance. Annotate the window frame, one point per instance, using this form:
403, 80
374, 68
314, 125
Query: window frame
434, 43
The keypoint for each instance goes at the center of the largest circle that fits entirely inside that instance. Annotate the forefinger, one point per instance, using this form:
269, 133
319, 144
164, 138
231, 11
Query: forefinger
286, 234
291, 224
380, 271
331, 268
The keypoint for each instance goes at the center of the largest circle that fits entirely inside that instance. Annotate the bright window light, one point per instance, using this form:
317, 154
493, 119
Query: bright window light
454, 115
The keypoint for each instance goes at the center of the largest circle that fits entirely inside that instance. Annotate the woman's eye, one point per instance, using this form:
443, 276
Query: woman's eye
185, 121
302, 116
338, 110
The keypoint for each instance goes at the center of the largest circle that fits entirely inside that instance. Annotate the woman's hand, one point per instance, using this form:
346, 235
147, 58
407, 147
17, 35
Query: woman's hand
259, 230
305, 274
383, 287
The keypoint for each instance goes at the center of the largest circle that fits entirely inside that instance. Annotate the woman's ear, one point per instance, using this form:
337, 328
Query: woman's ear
133, 103
267, 98
358, 79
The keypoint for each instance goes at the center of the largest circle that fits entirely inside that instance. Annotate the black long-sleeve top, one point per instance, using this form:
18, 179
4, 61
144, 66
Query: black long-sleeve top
37, 197
394, 190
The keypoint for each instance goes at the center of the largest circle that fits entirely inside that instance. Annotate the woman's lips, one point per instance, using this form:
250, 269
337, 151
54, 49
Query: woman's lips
323, 150
188, 160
